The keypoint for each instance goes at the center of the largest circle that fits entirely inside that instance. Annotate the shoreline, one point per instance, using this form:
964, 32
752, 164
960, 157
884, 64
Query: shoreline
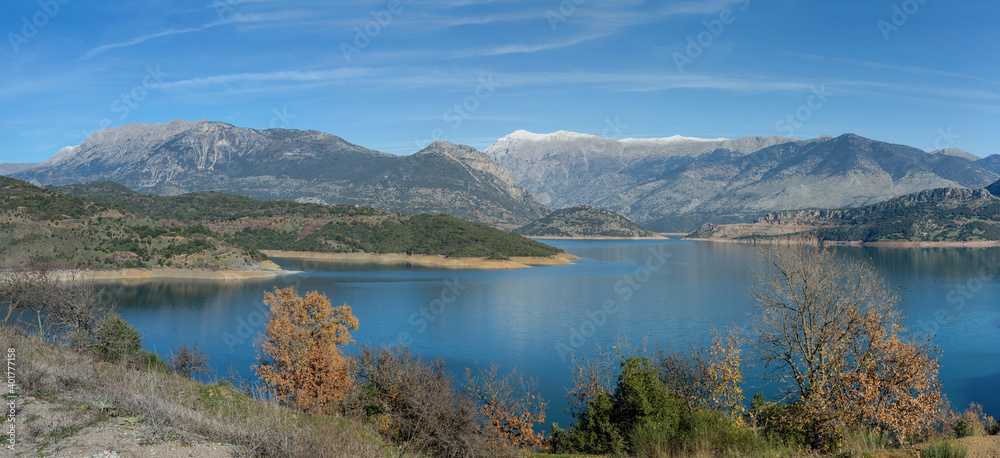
596, 237
268, 270
907, 244
425, 260
856, 243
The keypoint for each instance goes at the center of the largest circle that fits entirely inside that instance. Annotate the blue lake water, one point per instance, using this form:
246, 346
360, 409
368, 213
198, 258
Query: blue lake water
671, 292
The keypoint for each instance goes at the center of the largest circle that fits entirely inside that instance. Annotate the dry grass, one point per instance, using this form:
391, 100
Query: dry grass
170, 406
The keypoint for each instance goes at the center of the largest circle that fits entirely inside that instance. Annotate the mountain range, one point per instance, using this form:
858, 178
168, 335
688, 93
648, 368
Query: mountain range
306, 166
672, 184
655, 181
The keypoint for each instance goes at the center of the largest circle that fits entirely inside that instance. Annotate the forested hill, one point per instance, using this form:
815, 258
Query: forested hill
44, 227
947, 214
584, 221
292, 226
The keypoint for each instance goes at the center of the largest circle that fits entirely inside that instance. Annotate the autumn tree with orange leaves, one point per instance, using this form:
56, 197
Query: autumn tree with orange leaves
831, 331
299, 359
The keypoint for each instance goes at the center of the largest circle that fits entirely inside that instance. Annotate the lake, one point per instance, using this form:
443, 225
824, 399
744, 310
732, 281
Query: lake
667, 291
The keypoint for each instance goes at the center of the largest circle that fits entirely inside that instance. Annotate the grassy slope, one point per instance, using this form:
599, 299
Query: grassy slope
159, 411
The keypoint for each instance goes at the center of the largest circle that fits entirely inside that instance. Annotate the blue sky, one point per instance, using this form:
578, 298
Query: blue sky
393, 76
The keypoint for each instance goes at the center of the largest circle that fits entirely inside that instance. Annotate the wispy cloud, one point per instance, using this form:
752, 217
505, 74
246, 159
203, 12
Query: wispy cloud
894, 67
407, 78
271, 77
525, 48
237, 18
144, 38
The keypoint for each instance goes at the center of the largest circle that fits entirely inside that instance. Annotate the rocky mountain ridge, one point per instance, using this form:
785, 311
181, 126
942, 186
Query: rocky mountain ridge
651, 181
310, 166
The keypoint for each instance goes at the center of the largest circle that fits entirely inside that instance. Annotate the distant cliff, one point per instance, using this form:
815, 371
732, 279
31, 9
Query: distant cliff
936, 215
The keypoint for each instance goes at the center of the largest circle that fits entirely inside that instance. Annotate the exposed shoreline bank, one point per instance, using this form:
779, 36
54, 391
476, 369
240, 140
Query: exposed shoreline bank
879, 244
577, 237
267, 269
423, 260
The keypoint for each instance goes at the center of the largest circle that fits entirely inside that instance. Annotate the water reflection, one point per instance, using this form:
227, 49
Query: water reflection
521, 317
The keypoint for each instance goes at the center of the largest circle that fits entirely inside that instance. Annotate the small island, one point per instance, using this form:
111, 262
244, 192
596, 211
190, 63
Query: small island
585, 222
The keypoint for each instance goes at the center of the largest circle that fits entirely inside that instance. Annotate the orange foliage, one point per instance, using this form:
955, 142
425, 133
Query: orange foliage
894, 386
508, 407
725, 361
299, 359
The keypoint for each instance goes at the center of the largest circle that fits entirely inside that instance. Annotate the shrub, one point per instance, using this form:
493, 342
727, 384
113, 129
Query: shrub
706, 377
641, 413
595, 430
994, 428
149, 361
508, 407
963, 427
797, 424
187, 361
416, 403
946, 449
116, 339
713, 432
975, 421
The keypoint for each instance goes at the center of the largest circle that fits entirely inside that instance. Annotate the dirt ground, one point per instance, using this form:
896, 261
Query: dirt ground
978, 447
62, 428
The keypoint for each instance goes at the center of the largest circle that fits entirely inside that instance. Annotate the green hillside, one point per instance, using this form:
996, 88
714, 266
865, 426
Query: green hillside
282, 225
21, 199
41, 226
584, 221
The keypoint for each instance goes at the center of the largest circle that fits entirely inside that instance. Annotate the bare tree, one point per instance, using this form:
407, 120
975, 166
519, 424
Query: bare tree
187, 361
812, 308
74, 309
65, 308
19, 291
830, 329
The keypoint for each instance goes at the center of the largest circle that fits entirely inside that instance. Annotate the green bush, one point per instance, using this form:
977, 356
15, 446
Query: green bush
793, 425
947, 449
994, 428
116, 339
642, 417
963, 427
152, 362
640, 414
596, 430
711, 430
